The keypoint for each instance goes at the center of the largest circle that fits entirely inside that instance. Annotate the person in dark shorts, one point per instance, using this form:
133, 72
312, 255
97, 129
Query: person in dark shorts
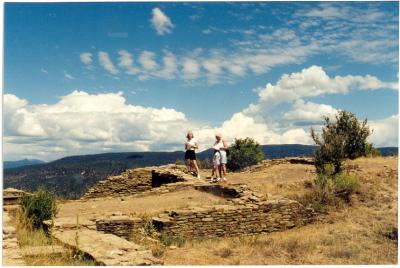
190, 154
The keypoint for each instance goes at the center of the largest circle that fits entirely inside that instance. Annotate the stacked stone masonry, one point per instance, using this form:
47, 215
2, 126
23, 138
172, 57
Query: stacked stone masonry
122, 226
227, 220
138, 181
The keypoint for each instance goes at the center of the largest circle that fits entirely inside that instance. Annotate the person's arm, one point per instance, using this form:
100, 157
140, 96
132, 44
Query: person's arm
225, 146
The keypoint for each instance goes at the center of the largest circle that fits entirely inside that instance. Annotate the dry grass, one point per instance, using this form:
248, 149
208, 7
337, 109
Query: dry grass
29, 237
362, 232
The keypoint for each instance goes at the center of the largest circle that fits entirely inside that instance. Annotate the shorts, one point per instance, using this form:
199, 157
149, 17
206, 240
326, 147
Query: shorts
217, 159
224, 159
190, 154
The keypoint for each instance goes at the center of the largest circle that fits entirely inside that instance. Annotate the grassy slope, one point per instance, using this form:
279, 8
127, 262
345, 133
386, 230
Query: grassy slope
357, 234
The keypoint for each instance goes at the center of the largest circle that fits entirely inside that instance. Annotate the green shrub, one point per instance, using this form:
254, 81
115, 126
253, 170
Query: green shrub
345, 185
38, 207
179, 162
169, 240
373, 152
205, 163
344, 138
244, 153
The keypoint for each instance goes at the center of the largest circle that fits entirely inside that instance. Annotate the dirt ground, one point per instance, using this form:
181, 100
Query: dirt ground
149, 205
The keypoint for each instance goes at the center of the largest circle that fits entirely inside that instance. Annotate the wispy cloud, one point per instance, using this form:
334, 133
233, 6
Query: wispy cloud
68, 76
86, 58
107, 64
126, 61
161, 22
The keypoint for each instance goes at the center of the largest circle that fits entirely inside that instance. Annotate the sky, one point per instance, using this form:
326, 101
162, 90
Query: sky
84, 78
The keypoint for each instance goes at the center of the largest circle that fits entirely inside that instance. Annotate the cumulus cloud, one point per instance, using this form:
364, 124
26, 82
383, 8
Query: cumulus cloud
86, 58
161, 22
385, 131
81, 121
309, 112
107, 63
312, 82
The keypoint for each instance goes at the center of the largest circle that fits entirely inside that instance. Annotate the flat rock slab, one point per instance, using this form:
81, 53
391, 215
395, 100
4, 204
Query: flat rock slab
43, 250
11, 251
106, 249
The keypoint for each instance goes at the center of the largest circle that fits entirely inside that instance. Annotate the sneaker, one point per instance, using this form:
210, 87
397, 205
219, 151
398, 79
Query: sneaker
212, 180
224, 179
198, 176
218, 180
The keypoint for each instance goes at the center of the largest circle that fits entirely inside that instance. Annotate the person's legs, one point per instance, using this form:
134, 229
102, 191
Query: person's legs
223, 169
224, 160
194, 163
188, 165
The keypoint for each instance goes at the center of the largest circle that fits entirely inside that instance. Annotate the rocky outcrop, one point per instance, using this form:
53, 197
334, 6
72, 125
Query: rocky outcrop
106, 249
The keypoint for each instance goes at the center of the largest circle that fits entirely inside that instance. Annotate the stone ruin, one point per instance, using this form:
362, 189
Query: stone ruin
108, 239
247, 213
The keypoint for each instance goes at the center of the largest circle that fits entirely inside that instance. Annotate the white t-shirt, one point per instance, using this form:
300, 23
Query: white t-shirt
191, 142
219, 145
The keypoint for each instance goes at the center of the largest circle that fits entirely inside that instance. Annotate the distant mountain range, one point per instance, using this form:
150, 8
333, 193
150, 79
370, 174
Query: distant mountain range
71, 176
21, 163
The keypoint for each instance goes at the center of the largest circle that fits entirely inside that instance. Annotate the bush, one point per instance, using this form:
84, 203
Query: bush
205, 163
169, 240
373, 152
342, 139
329, 190
345, 185
244, 153
38, 207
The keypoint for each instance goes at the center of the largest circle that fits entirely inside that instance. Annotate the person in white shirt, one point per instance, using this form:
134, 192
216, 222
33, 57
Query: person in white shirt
190, 154
220, 147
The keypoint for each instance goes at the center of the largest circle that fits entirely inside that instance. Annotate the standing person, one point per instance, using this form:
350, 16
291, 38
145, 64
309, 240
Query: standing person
216, 165
190, 154
223, 146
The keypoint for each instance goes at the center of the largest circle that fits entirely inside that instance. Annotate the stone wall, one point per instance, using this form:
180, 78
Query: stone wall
135, 181
232, 220
122, 226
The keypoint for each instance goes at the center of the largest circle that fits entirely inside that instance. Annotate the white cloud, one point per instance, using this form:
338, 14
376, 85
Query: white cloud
107, 63
161, 22
81, 122
213, 67
191, 69
170, 65
146, 59
385, 131
126, 61
44, 71
312, 82
309, 112
86, 58
68, 76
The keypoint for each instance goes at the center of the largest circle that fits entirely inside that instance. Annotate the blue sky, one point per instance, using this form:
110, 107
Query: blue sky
207, 63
